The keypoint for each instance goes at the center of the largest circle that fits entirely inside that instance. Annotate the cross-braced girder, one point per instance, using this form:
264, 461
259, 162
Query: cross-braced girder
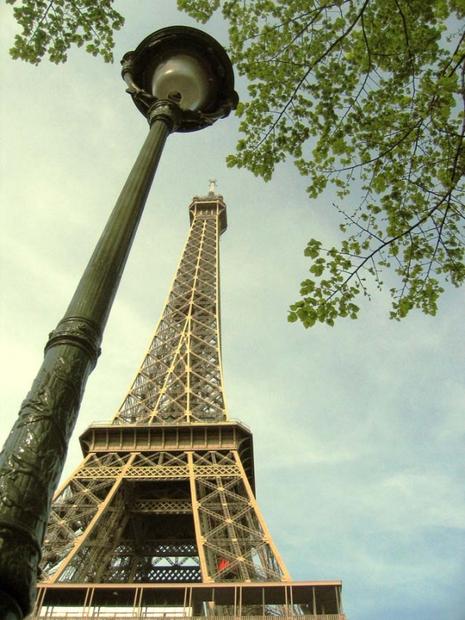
167, 516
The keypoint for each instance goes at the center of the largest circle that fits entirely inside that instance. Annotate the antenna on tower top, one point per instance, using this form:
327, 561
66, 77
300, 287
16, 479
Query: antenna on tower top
212, 186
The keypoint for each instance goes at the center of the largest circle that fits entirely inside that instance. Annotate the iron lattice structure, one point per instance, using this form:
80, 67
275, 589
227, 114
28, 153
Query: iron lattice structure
181, 379
165, 494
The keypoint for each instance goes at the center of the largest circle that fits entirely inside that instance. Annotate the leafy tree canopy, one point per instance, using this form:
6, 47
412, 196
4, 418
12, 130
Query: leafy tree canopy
366, 96
51, 27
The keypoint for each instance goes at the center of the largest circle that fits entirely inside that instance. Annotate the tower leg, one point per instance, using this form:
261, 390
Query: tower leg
234, 537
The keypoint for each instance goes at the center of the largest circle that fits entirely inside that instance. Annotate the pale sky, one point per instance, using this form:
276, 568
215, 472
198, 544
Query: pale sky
358, 429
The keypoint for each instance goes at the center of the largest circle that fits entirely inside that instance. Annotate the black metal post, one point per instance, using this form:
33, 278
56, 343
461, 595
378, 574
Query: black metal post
33, 456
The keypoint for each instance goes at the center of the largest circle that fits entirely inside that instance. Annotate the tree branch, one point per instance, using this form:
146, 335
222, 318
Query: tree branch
41, 20
310, 69
386, 244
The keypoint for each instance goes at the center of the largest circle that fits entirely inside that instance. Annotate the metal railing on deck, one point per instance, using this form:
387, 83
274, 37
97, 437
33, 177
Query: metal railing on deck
104, 615
100, 424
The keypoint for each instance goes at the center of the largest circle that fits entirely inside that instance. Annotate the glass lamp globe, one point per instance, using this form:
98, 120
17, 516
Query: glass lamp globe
187, 67
184, 80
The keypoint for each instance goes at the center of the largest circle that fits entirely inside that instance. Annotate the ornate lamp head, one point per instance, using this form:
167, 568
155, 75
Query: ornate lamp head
186, 67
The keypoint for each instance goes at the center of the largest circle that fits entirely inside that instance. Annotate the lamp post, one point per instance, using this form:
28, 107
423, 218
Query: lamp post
181, 79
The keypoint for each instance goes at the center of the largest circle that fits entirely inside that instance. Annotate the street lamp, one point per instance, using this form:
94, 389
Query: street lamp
184, 69
181, 79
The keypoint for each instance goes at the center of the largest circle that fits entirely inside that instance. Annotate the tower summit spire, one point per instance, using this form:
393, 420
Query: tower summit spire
212, 186
162, 510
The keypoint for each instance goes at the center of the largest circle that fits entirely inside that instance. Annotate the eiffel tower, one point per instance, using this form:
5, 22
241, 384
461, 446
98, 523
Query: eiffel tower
160, 518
